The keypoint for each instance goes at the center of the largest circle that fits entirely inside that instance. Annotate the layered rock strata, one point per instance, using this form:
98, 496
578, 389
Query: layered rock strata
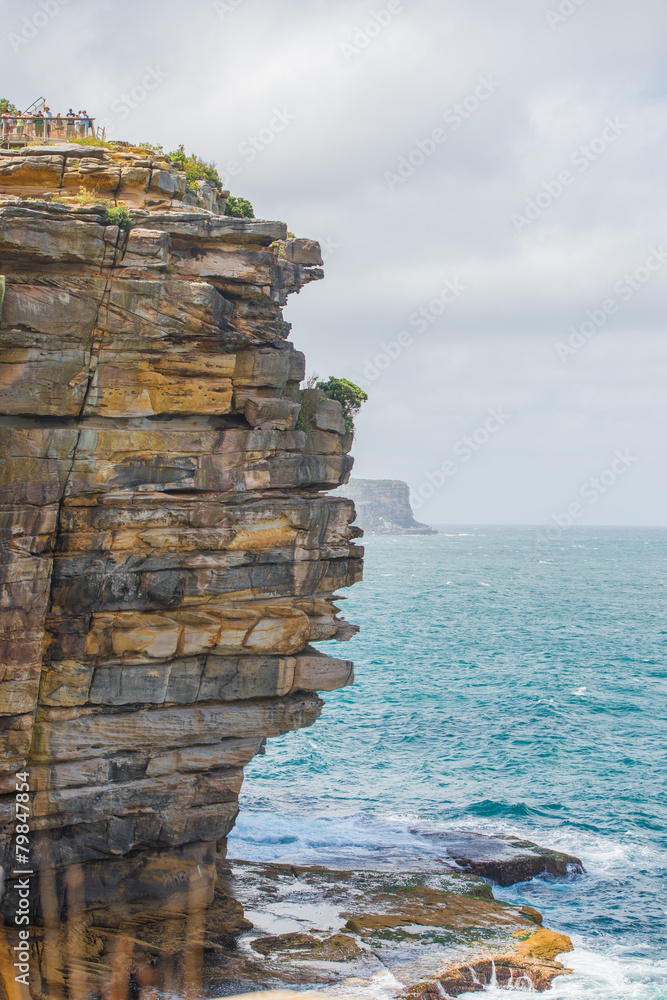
120, 174
383, 507
169, 551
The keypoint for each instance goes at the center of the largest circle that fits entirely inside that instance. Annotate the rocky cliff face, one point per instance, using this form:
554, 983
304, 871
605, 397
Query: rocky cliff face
383, 507
168, 548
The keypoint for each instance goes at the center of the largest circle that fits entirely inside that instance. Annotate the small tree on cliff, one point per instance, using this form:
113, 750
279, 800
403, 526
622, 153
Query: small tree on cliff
349, 395
6, 105
239, 208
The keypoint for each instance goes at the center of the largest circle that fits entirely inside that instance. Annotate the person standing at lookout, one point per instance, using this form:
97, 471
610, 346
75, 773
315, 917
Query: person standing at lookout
7, 122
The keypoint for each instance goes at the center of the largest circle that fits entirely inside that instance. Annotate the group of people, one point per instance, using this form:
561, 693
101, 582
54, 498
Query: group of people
44, 125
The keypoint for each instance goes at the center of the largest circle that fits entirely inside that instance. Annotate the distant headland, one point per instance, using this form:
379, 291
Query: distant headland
383, 507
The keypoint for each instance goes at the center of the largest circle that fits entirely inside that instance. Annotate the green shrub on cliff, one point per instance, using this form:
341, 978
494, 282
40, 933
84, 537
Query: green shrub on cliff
239, 208
349, 395
119, 216
195, 169
6, 105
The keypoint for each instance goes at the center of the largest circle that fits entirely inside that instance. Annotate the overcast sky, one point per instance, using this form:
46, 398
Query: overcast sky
486, 176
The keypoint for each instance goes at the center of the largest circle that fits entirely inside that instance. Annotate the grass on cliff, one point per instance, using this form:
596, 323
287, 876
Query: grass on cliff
194, 167
92, 140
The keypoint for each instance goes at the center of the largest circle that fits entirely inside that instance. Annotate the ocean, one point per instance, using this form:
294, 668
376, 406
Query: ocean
505, 683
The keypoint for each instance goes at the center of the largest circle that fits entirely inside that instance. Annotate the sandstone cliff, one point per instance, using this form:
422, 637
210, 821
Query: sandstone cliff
169, 551
383, 507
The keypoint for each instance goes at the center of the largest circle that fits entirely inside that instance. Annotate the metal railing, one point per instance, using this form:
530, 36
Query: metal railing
22, 129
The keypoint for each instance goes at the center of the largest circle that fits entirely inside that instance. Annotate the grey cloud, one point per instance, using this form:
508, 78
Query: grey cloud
325, 176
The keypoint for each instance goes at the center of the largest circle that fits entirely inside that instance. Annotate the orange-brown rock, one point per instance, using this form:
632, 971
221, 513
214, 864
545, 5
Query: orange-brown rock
132, 176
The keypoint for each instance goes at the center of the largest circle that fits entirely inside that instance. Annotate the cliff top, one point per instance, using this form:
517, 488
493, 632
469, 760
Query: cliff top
135, 176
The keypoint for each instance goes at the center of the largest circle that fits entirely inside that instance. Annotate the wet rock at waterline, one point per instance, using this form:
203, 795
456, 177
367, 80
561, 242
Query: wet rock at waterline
504, 860
323, 927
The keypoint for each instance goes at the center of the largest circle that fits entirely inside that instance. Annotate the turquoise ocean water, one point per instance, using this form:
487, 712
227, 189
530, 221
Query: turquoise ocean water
509, 684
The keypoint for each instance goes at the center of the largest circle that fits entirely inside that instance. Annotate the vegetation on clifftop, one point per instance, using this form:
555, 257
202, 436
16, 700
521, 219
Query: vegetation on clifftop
349, 395
195, 169
92, 140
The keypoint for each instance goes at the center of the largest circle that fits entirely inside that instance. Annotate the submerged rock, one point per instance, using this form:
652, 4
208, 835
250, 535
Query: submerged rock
503, 859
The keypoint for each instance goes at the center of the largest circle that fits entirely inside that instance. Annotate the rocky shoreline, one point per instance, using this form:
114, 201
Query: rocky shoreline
436, 933
430, 931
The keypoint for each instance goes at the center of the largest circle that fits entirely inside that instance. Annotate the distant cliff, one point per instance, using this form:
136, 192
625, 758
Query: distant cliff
383, 507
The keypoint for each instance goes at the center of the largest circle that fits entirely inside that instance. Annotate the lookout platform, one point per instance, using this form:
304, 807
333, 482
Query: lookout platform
19, 130
37, 124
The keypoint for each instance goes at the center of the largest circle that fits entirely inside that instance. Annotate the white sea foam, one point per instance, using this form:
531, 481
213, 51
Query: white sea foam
597, 977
